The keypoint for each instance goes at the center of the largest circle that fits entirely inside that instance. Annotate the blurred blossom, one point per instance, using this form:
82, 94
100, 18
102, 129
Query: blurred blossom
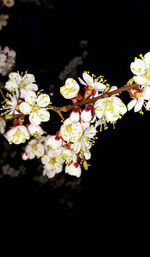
7, 60
3, 20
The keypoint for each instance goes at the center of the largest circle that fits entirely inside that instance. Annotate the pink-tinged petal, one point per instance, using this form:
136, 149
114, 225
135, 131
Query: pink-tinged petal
43, 100
31, 97
28, 78
88, 79
35, 119
43, 114
25, 108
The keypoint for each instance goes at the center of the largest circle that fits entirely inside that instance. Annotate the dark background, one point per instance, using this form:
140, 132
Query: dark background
114, 193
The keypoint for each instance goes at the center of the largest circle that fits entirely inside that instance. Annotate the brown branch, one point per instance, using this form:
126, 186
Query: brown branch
66, 108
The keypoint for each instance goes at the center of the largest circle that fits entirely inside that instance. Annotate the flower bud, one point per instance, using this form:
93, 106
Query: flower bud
73, 169
75, 115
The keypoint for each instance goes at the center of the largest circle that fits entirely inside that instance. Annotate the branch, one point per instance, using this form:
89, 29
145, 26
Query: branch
66, 108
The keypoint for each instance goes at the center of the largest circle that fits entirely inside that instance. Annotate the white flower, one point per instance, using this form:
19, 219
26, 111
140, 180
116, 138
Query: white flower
71, 131
141, 68
35, 130
3, 20
110, 109
34, 149
68, 155
2, 125
73, 169
70, 89
35, 107
11, 101
17, 135
85, 142
138, 102
90, 81
53, 141
8, 3
25, 83
53, 163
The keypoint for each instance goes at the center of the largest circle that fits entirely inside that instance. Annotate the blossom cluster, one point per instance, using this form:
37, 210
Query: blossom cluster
25, 108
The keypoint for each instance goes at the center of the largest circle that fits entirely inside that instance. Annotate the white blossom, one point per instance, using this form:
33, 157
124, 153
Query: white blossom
73, 169
25, 84
53, 141
17, 135
90, 81
35, 107
141, 69
70, 89
53, 162
71, 131
110, 109
34, 149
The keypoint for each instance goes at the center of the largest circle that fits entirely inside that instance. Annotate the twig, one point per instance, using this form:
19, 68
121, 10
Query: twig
66, 108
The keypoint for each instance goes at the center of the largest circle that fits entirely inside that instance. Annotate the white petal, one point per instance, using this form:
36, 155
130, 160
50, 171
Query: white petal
25, 108
88, 79
34, 118
43, 100
147, 58
139, 104
32, 86
99, 86
70, 89
131, 104
30, 97
28, 78
43, 114
11, 85
138, 67
146, 93
111, 116
140, 80
81, 81
15, 77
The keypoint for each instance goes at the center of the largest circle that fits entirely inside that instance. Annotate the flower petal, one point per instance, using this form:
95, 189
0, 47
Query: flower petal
43, 114
131, 104
138, 67
88, 79
28, 78
32, 86
43, 100
146, 93
30, 97
15, 77
34, 118
139, 104
25, 108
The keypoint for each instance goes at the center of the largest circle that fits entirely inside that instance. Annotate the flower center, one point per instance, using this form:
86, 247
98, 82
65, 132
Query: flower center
68, 128
35, 108
52, 160
108, 104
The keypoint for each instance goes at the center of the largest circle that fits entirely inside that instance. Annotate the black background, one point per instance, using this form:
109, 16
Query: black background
115, 192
